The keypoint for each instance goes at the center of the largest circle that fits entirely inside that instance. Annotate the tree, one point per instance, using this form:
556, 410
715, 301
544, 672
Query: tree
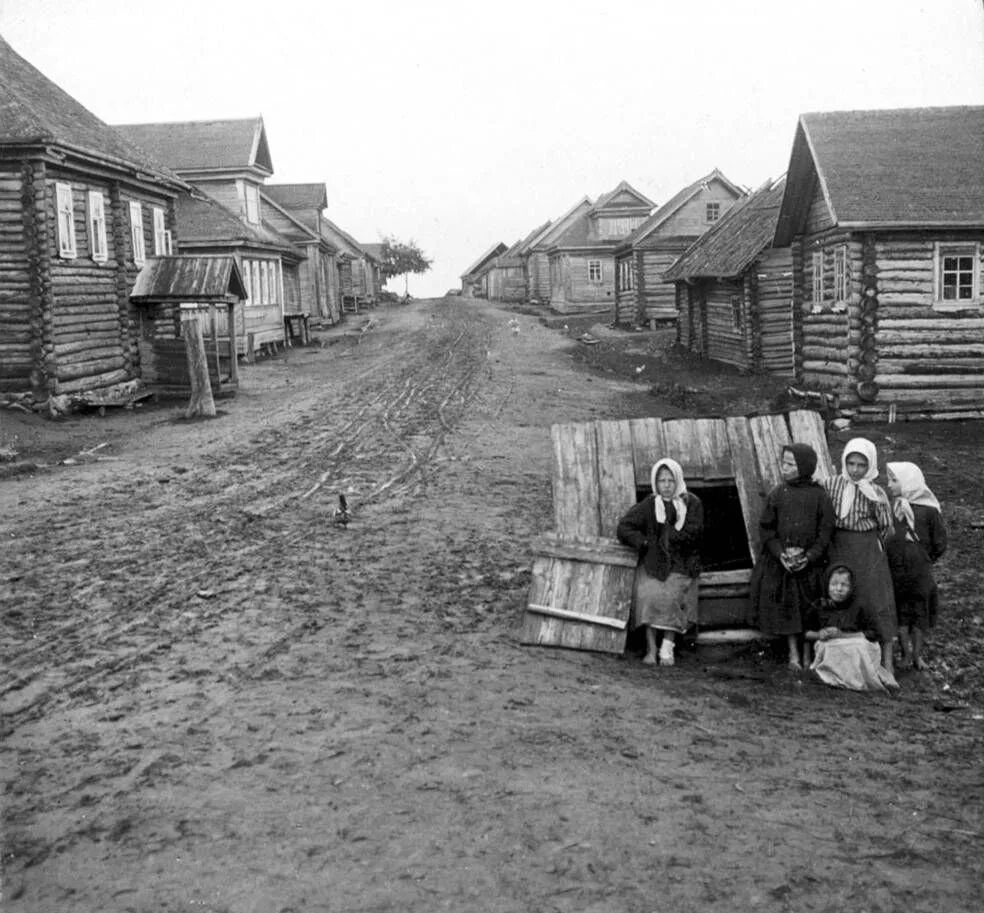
401, 259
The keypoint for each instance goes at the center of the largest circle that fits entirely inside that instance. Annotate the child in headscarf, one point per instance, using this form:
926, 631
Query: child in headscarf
840, 627
796, 526
862, 520
666, 529
917, 543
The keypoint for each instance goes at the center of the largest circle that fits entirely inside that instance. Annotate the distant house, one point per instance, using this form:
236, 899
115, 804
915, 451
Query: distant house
884, 211
537, 256
81, 210
358, 274
228, 160
582, 258
641, 293
734, 291
295, 211
507, 278
374, 266
474, 280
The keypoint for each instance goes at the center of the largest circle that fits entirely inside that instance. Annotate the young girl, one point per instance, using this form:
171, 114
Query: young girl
796, 525
917, 543
665, 528
839, 627
862, 520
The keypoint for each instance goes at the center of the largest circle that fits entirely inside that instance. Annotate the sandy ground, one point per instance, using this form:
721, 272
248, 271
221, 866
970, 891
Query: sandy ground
216, 698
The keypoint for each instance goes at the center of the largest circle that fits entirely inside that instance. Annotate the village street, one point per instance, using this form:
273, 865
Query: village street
217, 699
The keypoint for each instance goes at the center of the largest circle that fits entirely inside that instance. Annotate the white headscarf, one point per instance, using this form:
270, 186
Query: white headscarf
866, 449
912, 490
678, 492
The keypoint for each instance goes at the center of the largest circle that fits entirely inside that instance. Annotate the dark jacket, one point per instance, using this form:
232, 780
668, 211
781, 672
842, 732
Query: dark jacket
663, 548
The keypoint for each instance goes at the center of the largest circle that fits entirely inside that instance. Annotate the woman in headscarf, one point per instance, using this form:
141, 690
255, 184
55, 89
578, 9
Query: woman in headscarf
796, 526
862, 521
918, 541
665, 528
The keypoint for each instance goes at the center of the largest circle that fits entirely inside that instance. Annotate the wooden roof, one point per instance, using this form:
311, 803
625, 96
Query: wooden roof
621, 196
623, 199
298, 196
554, 231
205, 145
736, 239
203, 221
900, 168
485, 259
675, 203
184, 278
34, 110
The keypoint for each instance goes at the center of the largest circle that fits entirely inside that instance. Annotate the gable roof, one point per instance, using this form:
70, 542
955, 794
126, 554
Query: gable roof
736, 239
185, 278
373, 250
676, 202
34, 110
491, 253
514, 256
546, 238
204, 221
298, 196
904, 167
205, 145
624, 194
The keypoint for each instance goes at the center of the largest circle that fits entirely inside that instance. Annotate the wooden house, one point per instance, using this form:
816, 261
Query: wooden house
507, 277
641, 293
582, 583
734, 290
582, 258
884, 211
537, 257
374, 278
474, 280
229, 160
354, 273
295, 211
167, 291
81, 209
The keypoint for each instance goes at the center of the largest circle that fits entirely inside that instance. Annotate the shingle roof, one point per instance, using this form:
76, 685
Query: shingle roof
736, 239
373, 250
905, 167
298, 196
202, 220
35, 110
184, 278
547, 237
204, 144
484, 260
579, 232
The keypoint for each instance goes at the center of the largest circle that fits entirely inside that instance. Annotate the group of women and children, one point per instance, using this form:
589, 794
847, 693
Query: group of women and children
844, 569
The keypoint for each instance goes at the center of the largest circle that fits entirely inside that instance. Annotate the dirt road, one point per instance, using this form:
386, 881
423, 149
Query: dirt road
217, 699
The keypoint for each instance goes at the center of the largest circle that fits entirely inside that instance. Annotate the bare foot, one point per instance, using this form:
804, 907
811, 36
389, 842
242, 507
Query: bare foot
795, 665
919, 663
666, 659
649, 659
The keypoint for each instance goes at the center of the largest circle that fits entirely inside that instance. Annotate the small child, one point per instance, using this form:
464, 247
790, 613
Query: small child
918, 541
840, 628
796, 524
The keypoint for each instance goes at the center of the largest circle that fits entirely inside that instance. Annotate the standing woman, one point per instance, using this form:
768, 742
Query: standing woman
862, 521
665, 528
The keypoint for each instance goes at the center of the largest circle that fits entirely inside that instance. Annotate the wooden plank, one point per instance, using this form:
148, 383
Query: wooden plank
748, 480
767, 449
600, 551
682, 445
616, 473
715, 451
575, 481
807, 427
647, 448
553, 611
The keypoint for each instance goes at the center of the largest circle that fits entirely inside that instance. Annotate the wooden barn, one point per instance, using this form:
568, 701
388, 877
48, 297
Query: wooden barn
582, 258
227, 161
536, 259
294, 210
80, 210
168, 290
474, 280
581, 592
642, 294
884, 211
734, 290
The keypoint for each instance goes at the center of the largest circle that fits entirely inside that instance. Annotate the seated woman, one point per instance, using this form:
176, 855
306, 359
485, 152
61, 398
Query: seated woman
665, 529
839, 627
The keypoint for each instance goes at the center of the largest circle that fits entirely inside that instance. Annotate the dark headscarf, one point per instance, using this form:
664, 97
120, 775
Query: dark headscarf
806, 461
838, 569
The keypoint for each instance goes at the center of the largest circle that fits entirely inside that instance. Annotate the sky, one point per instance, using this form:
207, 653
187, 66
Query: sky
459, 124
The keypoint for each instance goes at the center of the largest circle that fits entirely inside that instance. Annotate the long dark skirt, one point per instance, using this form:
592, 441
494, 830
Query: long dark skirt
916, 596
780, 600
863, 553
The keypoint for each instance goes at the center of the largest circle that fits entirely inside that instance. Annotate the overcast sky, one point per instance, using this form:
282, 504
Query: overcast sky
462, 124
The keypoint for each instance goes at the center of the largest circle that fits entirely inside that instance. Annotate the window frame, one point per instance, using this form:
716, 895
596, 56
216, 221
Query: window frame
252, 194
737, 314
160, 232
96, 224
592, 264
137, 243
816, 279
709, 207
842, 275
65, 207
944, 249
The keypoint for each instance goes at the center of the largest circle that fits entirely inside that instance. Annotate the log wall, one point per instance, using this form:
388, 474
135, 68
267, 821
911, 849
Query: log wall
538, 276
656, 298
19, 317
726, 342
772, 316
571, 290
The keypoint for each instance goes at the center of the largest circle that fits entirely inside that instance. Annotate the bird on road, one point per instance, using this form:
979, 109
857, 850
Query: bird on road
341, 516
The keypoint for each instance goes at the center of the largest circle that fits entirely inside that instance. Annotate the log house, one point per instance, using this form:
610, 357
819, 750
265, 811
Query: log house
884, 211
474, 280
641, 293
734, 291
537, 258
507, 277
81, 209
